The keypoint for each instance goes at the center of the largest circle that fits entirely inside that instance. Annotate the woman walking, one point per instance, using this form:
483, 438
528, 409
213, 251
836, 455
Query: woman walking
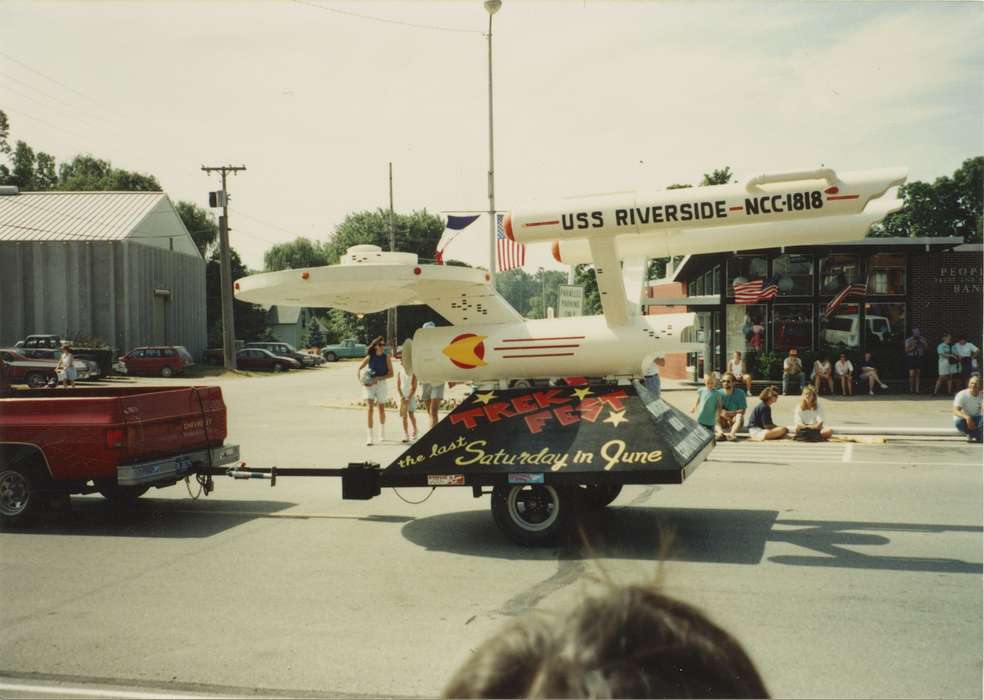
373, 372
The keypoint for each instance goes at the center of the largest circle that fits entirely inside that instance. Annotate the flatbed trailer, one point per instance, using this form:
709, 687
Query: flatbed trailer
543, 455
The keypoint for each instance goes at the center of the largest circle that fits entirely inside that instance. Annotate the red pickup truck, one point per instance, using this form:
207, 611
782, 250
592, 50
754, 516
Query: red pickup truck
117, 441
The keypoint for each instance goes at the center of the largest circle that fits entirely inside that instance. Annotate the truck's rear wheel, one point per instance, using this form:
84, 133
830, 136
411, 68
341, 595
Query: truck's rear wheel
18, 500
597, 496
122, 495
532, 515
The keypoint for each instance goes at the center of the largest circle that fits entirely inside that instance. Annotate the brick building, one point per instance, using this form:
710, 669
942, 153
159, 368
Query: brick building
934, 284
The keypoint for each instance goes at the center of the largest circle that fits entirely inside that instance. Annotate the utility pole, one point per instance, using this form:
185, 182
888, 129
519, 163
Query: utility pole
491, 6
391, 313
225, 268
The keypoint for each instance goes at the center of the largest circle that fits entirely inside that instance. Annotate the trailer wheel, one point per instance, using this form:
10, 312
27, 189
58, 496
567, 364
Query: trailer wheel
597, 496
122, 495
18, 500
532, 515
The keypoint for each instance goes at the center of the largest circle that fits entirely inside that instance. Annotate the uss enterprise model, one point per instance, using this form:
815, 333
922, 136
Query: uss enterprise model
547, 452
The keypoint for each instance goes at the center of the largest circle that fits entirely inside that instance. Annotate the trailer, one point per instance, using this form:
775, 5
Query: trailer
544, 455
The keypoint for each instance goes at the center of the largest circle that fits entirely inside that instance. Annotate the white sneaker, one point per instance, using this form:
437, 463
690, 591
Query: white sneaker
871, 392
884, 386
369, 436
406, 438
382, 433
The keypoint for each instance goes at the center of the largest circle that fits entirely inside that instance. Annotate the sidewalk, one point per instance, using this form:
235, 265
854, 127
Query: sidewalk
891, 411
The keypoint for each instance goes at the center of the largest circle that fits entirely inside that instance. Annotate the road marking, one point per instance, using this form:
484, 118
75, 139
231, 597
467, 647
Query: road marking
49, 690
848, 452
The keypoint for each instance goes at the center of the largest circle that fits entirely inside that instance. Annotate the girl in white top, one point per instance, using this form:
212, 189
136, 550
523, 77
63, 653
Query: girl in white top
822, 372
737, 367
808, 414
845, 372
406, 385
66, 367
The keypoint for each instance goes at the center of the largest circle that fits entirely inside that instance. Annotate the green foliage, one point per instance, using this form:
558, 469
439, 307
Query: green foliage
721, 176
313, 337
526, 292
4, 133
417, 233
301, 252
200, 224
950, 206
249, 319
767, 365
88, 173
584, 275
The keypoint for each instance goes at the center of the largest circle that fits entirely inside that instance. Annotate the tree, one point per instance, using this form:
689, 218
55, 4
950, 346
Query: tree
301, 252
950, 206
518, 288
249, 319
721, 176
4, 133
88, 173
314, 338
417, 233
200, 224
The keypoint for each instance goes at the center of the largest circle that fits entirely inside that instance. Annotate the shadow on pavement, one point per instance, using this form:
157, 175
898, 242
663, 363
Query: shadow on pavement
703, 535
148, 517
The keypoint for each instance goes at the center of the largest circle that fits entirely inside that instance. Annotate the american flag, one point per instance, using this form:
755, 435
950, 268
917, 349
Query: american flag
859, 288
757, 290
509, 253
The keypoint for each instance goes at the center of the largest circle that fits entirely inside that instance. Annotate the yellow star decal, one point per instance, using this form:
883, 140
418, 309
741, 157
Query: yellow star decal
484, 398
616, 418
581, 392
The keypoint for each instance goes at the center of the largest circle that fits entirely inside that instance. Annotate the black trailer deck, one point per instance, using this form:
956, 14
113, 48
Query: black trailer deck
544, 452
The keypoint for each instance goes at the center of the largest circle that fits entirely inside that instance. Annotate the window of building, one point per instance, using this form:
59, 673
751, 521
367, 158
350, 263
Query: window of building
716, 283
884, 335
795, 274
691, 288
792, 327
709, 282
745, 268
887, 274
841, 330
836, 272
746, 326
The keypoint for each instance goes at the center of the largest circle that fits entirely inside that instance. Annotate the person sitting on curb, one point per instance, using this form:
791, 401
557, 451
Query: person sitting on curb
760, 425
845, 375
792, 368
708, 403
733, 405
807, 417
823, 372
869, 372
967, 410
738, 368
630, 641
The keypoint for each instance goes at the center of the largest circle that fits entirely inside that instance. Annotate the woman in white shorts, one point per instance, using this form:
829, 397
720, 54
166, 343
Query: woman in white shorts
373, 373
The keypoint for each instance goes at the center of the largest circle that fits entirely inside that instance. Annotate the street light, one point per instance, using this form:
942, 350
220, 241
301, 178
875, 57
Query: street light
491, 6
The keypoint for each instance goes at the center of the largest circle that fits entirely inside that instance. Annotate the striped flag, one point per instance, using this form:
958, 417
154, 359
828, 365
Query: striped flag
454, 226
757, 291
509, 253
858, 288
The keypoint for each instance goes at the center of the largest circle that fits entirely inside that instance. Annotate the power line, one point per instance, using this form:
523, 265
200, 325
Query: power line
388, 21
54, 99
46, 123
47, 77
48, 106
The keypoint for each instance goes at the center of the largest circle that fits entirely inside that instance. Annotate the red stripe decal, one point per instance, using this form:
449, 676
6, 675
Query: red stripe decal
528, 340
556, 354
844, 196
542, 223
536, 347
735, 208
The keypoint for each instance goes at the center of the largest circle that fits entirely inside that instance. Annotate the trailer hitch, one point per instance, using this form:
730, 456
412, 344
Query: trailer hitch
244, 472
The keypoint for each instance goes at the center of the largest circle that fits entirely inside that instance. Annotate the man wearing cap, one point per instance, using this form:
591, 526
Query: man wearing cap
915, 352
792, 368
431, 395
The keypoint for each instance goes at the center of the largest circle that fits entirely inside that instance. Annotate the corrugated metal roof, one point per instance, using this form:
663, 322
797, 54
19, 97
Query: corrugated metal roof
73, 216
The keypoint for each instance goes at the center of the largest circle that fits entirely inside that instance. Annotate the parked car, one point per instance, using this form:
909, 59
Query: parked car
263, 359
36, 371
318, 359
347, 348
284, 350
844, 330
163, 360
41, 341
92, 369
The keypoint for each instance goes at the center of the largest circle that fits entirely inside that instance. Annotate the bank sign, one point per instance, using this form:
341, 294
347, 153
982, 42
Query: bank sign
961, 280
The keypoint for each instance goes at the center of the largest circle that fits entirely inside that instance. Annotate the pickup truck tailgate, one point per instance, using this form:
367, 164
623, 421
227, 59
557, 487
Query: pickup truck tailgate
166, 422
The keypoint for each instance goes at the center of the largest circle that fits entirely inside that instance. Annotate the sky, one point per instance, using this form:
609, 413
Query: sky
316, 98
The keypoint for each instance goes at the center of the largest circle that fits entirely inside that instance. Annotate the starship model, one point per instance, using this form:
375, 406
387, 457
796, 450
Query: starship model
490, 341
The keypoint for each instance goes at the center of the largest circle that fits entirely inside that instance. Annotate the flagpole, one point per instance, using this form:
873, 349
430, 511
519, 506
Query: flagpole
491, 6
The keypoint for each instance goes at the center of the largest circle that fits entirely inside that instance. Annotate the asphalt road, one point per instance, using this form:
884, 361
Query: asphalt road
847, 570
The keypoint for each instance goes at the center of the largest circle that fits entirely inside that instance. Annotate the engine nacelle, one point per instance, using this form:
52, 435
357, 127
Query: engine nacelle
581, 346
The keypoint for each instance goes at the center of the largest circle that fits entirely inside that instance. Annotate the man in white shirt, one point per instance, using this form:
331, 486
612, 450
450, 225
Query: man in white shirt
650, 376
967, 410
965, 352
